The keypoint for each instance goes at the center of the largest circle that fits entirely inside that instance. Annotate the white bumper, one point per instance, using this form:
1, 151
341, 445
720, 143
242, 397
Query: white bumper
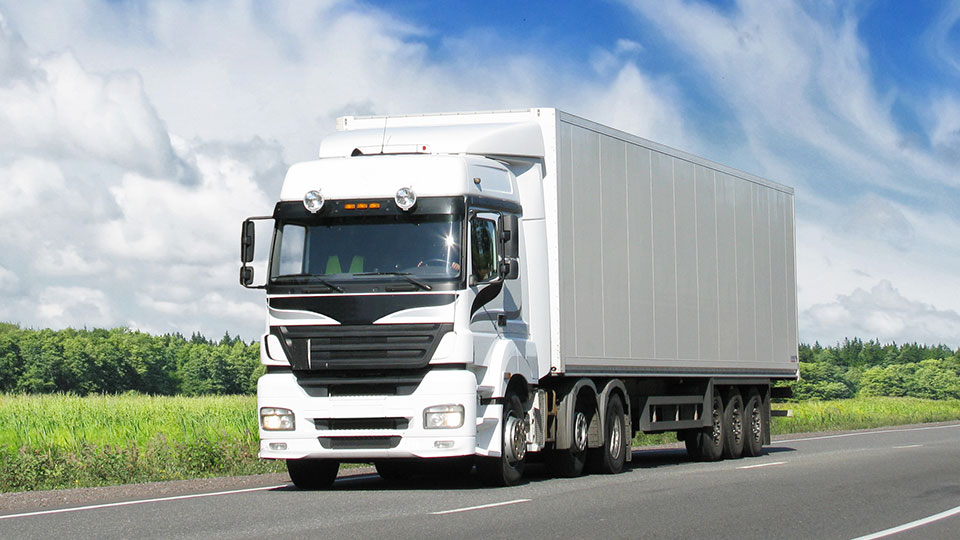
308, 440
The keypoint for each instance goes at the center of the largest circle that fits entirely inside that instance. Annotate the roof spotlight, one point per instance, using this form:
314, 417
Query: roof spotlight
313, 201
405, 198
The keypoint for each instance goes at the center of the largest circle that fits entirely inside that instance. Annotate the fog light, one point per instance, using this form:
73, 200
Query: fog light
405, 198
313, 201
443, 417
278, 446
276, 419
443, 444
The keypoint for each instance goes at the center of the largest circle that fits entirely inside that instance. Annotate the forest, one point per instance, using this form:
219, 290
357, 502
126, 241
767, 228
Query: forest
119, 360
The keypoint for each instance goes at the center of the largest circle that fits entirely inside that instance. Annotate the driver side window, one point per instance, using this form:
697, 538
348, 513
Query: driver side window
483, 249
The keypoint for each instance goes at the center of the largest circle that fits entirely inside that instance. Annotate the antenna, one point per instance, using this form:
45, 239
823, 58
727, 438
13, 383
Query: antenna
383, 139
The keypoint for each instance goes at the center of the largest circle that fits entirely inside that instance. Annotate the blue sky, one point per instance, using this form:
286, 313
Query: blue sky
134, 136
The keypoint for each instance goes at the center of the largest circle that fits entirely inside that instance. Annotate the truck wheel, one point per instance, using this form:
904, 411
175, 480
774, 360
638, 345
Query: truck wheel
507, 470
691, 440
611, 457
710, 438
395, 470
733, 426
753, 425
312, 473
569, 462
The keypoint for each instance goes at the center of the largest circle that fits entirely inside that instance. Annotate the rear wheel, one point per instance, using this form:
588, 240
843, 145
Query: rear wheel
753, 425
507, 470
710, 439
733, 426
611, 457
312, 473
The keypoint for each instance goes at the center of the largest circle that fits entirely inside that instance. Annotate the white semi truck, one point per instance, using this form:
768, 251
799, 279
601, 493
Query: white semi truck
490, 288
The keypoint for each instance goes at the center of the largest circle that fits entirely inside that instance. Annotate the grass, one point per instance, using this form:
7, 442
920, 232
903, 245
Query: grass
59, 441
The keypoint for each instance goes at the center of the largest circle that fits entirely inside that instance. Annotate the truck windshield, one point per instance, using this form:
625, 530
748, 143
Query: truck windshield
415, 249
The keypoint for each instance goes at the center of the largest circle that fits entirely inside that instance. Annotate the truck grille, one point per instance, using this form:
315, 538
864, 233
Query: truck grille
358, 443
375, 346
334, 424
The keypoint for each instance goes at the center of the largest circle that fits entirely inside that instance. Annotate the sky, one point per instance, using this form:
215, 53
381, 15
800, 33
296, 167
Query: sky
135, 136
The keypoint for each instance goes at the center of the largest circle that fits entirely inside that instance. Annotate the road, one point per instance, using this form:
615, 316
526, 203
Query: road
827, 486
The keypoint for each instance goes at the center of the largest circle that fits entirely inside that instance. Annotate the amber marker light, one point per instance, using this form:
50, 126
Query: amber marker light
349, 206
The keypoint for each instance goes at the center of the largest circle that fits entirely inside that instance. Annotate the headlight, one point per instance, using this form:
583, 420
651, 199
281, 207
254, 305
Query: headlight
443, 417
313, 201
276, 419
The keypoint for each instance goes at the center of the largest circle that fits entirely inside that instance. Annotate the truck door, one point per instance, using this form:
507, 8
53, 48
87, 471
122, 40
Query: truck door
485, 282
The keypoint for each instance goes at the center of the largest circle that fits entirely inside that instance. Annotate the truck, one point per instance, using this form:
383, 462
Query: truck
488, 289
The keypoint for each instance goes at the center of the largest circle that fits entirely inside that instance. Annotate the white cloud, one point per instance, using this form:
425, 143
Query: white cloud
884, 313
63, 306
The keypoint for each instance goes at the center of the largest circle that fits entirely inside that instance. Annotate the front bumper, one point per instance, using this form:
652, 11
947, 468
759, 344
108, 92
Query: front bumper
334, 427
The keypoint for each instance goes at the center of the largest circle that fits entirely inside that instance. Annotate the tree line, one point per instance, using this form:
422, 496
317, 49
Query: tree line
119, 360
859, 368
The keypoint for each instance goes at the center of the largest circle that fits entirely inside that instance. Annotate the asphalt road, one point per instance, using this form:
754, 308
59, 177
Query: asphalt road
827, 486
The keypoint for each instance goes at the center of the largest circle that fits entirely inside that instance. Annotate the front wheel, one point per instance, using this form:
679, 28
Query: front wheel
709, 445
733, 426
507, 470
754, 425
313, 473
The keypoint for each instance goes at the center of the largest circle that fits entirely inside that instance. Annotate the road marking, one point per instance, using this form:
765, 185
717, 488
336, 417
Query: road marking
912, 525
762, 465
908, 446
141, 501
864, 433
481, 507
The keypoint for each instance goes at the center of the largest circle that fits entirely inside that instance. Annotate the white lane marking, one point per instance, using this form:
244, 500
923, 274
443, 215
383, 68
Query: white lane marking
912, 525
864, 433
141, 501
762, 465
907, 446
481, 507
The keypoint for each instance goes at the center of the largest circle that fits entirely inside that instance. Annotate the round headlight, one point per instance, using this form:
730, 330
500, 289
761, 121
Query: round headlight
405, 198
313, 201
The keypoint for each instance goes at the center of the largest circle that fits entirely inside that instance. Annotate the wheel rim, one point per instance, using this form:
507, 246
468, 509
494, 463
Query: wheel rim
580, 432
717, 423
616, 434
737, 423
515, 440
756, 425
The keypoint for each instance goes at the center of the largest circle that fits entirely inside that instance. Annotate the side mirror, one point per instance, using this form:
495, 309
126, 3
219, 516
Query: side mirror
247, 241
246, 276
510, 236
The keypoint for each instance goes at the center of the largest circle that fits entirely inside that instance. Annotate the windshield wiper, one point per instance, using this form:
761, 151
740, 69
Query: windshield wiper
306, 279
404, 275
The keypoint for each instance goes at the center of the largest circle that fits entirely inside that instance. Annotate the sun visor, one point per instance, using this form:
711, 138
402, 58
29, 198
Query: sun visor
513, 139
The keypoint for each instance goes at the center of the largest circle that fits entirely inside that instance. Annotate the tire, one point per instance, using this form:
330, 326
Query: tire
395, 470
710, 439
570, 462
313, 473
753, 425
612, 456
733, 426
507, 470
691, 440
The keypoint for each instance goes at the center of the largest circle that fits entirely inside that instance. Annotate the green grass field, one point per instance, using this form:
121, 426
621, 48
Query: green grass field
59, 441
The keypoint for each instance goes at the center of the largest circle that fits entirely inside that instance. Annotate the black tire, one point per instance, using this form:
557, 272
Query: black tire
570, 462
395, 470
691, 440
506, 470
733, 426
753, 425
710, 439
612, 456
313, 473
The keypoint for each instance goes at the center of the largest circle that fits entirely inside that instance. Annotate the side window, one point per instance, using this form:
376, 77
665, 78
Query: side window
291, 250
483, 246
